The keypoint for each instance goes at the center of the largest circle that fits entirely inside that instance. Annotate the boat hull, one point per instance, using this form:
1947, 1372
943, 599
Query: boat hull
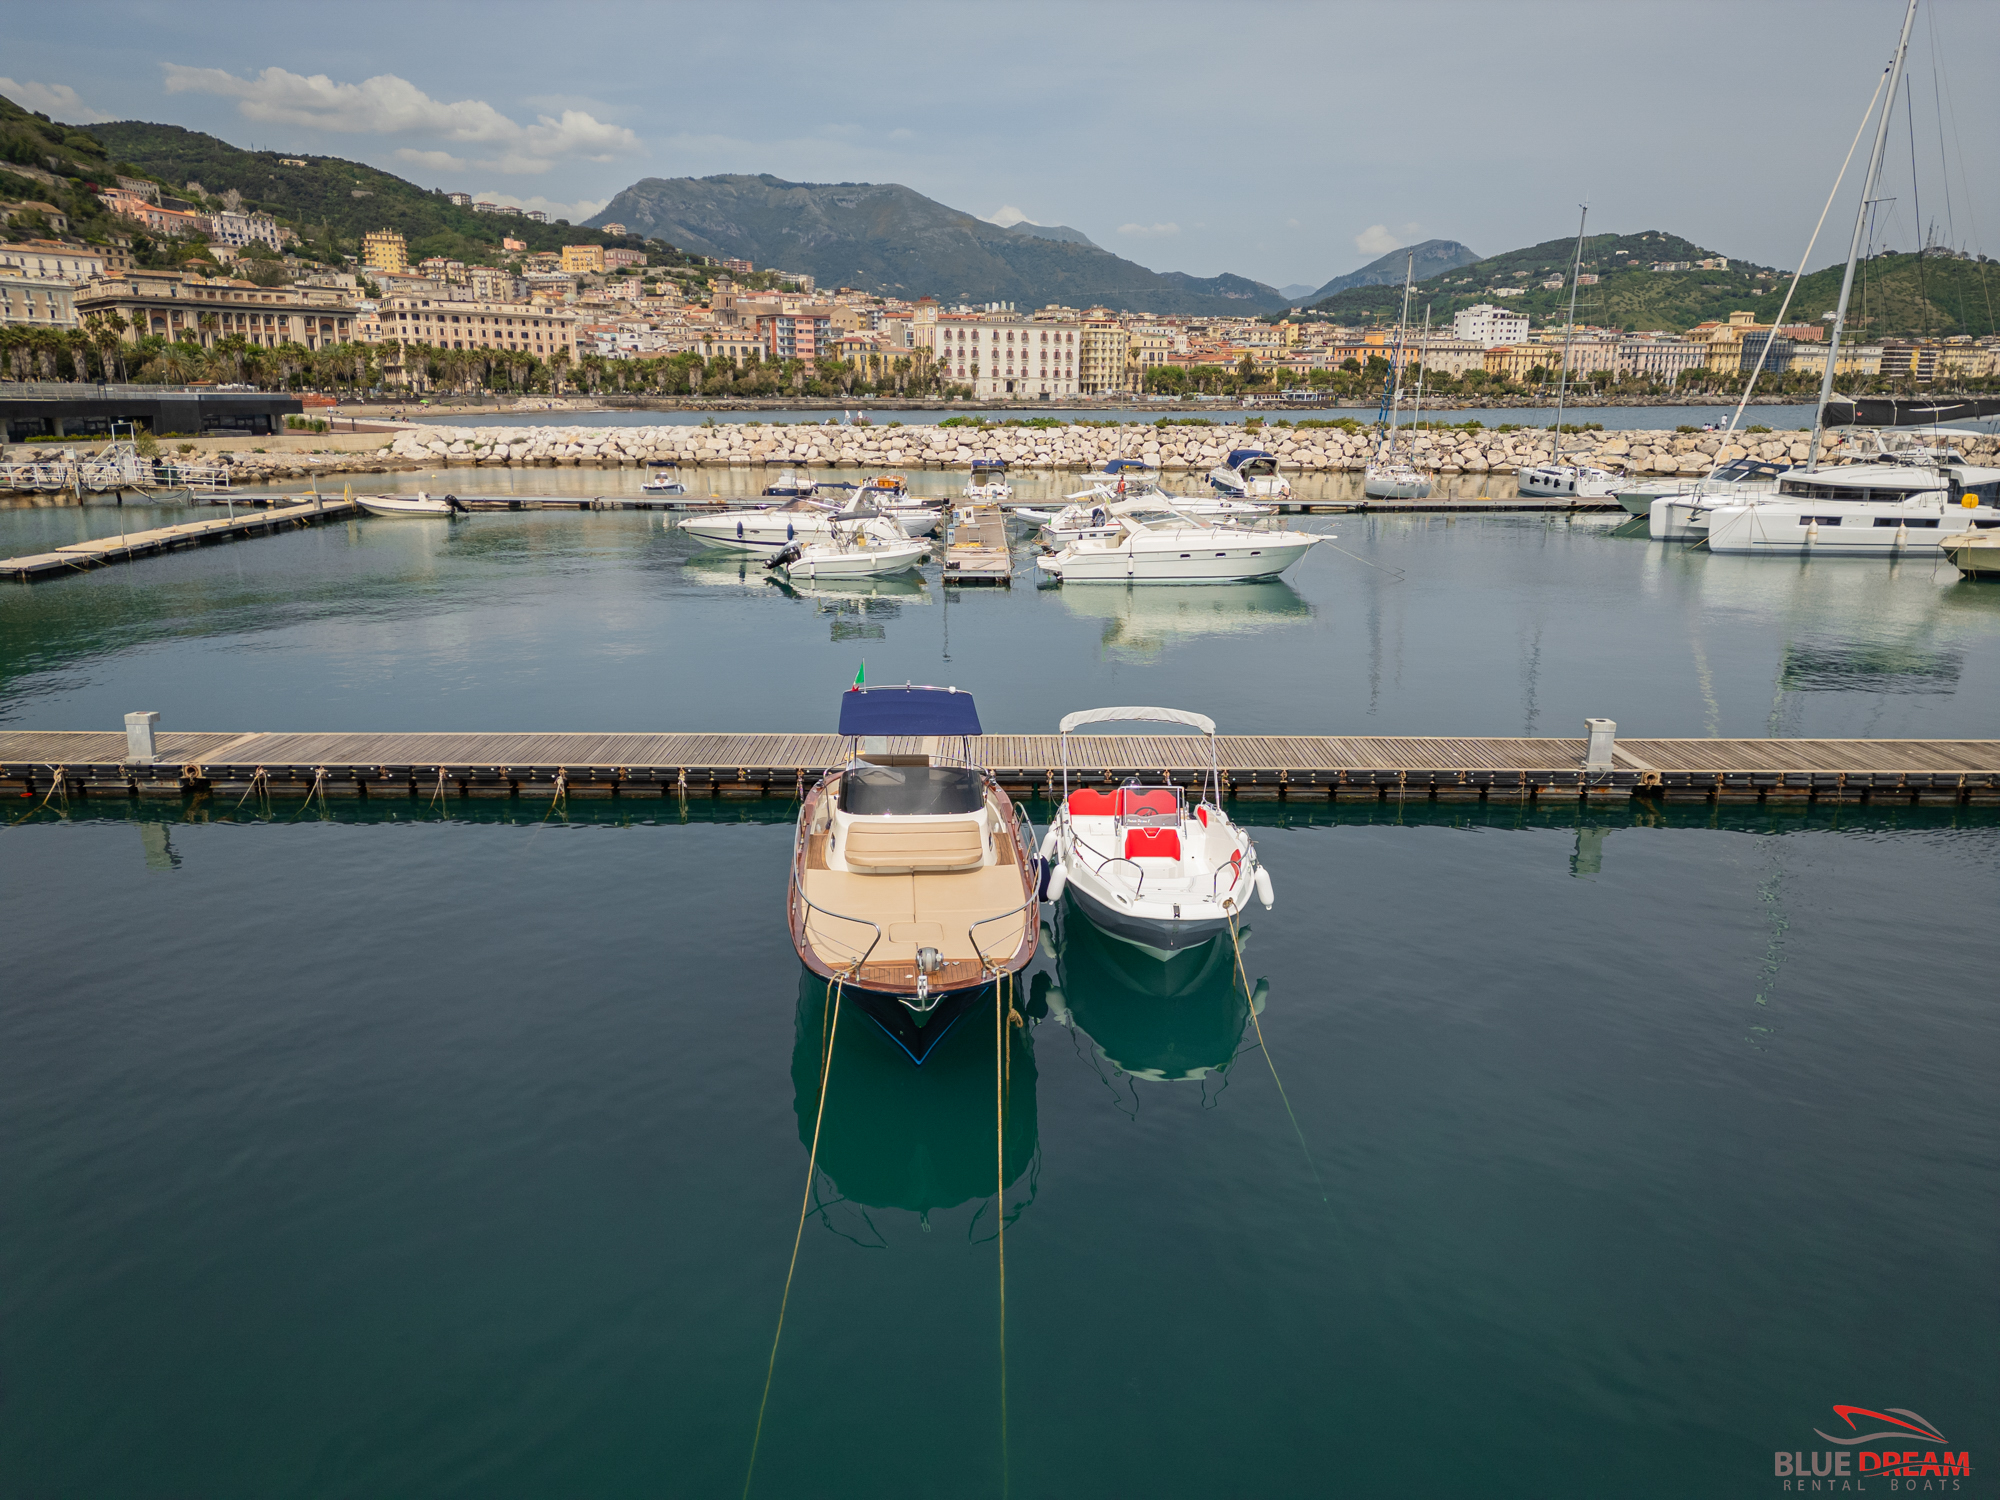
1395, 486
1563, 483
873, 562
1161, 938
1820, 528
1976, 554
1232, 562
427, 510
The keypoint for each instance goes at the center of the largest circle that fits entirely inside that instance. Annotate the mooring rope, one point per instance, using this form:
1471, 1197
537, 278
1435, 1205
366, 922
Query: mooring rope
1398, 572
1265, 1047
831, 1030
58, 784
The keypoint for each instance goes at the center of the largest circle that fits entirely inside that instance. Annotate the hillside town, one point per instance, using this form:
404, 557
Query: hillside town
607, 316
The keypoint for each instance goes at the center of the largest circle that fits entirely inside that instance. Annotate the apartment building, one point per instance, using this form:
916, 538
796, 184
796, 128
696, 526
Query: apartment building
36, 301
1489, 326
384, 250
1660, 359
238, 230
527, 328
1855, 359
50, 258
1005, 354
616, 258
173, 303
583, 260
1146, 348
1102, 345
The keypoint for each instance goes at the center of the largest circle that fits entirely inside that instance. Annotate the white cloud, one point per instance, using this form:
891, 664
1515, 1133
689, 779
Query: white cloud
57, 100
1007, 216
1149, 229
1376, 240
437, 161
576, 212
388, 105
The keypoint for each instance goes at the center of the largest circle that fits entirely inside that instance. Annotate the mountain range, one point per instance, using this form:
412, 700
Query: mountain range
1433, 258
889, 239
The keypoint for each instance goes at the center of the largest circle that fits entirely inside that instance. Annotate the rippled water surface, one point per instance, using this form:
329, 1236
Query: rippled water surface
388, 1150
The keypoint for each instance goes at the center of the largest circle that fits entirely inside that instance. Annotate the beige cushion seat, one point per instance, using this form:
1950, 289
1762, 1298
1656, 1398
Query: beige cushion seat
899, 846
914, 911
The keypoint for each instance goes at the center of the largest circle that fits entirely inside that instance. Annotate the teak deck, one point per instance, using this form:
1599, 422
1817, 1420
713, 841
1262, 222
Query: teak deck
1296, 767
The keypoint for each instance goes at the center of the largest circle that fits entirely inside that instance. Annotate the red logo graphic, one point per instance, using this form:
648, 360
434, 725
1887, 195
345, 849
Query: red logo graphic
1931, 1469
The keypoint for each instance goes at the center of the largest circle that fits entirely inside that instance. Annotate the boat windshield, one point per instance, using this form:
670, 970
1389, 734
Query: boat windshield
911, 791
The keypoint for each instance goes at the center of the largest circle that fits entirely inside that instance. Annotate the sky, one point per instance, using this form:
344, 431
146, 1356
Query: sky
1288, 142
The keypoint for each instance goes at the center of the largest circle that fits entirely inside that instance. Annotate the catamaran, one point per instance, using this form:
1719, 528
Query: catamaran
913, 879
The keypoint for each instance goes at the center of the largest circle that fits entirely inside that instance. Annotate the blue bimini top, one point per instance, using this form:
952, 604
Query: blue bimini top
907, 710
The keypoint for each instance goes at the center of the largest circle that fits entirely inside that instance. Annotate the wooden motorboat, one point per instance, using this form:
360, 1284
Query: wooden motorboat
420, 504
913, 879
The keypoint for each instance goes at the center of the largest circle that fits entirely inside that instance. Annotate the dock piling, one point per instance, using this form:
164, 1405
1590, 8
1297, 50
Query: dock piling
1603, 744
139, 738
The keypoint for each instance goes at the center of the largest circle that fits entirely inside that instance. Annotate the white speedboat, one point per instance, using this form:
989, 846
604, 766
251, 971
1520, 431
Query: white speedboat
1394, 480
665, 481
1567, 482
1250, 474
1974, 552
1143, 865
790, 485
421, 504
1735, 480
889, 495
1094, 512
764, 530
1157, 544
988, 484
865, 548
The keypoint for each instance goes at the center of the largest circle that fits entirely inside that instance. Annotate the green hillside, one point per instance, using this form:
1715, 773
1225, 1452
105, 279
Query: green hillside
1957, 296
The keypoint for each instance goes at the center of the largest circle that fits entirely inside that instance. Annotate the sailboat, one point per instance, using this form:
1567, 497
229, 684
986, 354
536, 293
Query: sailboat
1557, 479
1389, 477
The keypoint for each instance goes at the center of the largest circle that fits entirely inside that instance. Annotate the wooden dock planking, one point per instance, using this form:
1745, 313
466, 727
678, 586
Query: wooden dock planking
1290, 766
79, 557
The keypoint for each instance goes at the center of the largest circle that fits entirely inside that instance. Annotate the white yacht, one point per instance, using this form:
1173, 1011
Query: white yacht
1250, 474
1860, 510
1143, 865
1567, 481
764, 530
889, 495
1094, 511
1735, 480
1159, 544
866, 548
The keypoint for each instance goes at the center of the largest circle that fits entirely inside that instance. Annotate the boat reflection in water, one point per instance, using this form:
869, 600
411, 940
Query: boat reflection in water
1140, 621
918, 1139
1163, 1020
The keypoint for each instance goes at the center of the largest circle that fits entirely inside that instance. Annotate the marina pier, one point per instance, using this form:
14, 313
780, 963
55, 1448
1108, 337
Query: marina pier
142, 763
259, 518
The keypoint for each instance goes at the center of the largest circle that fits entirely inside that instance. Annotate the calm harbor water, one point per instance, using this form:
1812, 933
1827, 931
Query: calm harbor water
387, 1151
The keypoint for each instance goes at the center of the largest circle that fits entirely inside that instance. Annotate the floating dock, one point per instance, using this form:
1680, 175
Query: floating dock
1269, 767
978, 551
80, 557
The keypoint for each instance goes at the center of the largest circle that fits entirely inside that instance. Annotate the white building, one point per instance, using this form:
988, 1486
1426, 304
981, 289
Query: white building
1489, 326
238, 229
36, 302
47, 258
1003, 354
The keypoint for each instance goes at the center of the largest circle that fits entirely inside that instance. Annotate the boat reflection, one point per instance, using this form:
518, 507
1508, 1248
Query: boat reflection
919, 1139
1143, 621
1869, 667
1162, 1020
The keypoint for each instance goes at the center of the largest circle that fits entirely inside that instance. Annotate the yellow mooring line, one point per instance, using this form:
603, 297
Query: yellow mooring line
805, 1207
1251, 1000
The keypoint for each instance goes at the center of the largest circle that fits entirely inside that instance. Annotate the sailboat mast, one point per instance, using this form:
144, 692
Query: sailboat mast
1396, 368
1569, 332
1423, 374
1854, 246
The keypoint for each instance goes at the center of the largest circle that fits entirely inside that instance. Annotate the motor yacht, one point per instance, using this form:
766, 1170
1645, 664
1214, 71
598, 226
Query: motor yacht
1159, 543
1250, 474
1737, 479
666, 481
863, 548
764, 530
1143, 865
913, 878
889, 495
1092, 512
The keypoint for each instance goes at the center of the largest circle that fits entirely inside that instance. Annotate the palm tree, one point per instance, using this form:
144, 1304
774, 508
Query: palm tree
559, 363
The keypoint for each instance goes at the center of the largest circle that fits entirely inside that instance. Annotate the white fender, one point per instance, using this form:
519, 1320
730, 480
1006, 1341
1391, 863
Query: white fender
1049, 841
1058, 882
1264, 887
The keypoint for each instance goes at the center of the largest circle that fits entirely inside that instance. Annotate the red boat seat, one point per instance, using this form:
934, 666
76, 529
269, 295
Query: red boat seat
1089, 804
1152, 843
1138, 801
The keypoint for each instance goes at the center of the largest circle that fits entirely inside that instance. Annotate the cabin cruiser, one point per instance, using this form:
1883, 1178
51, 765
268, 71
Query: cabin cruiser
1092, 512
1738, 478
1140, 863
764, 530
989, 482
889, 495
1567, 482
865, 547
790, 485
1157, 542
913, 880
1905, 504
1250, 474
666, 481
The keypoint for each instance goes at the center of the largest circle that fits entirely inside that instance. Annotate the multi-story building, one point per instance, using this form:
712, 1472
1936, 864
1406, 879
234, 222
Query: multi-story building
72, 263
1855, 359
1004, 354
527, 328
36, 301
580, 260
1489, 326
459, 200
1660, 358
553, 285
806, 334
385, 250
615, 229
617, 257
1101, 345
174, 303
237, 230
1449, 356
740, 267
22, 208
